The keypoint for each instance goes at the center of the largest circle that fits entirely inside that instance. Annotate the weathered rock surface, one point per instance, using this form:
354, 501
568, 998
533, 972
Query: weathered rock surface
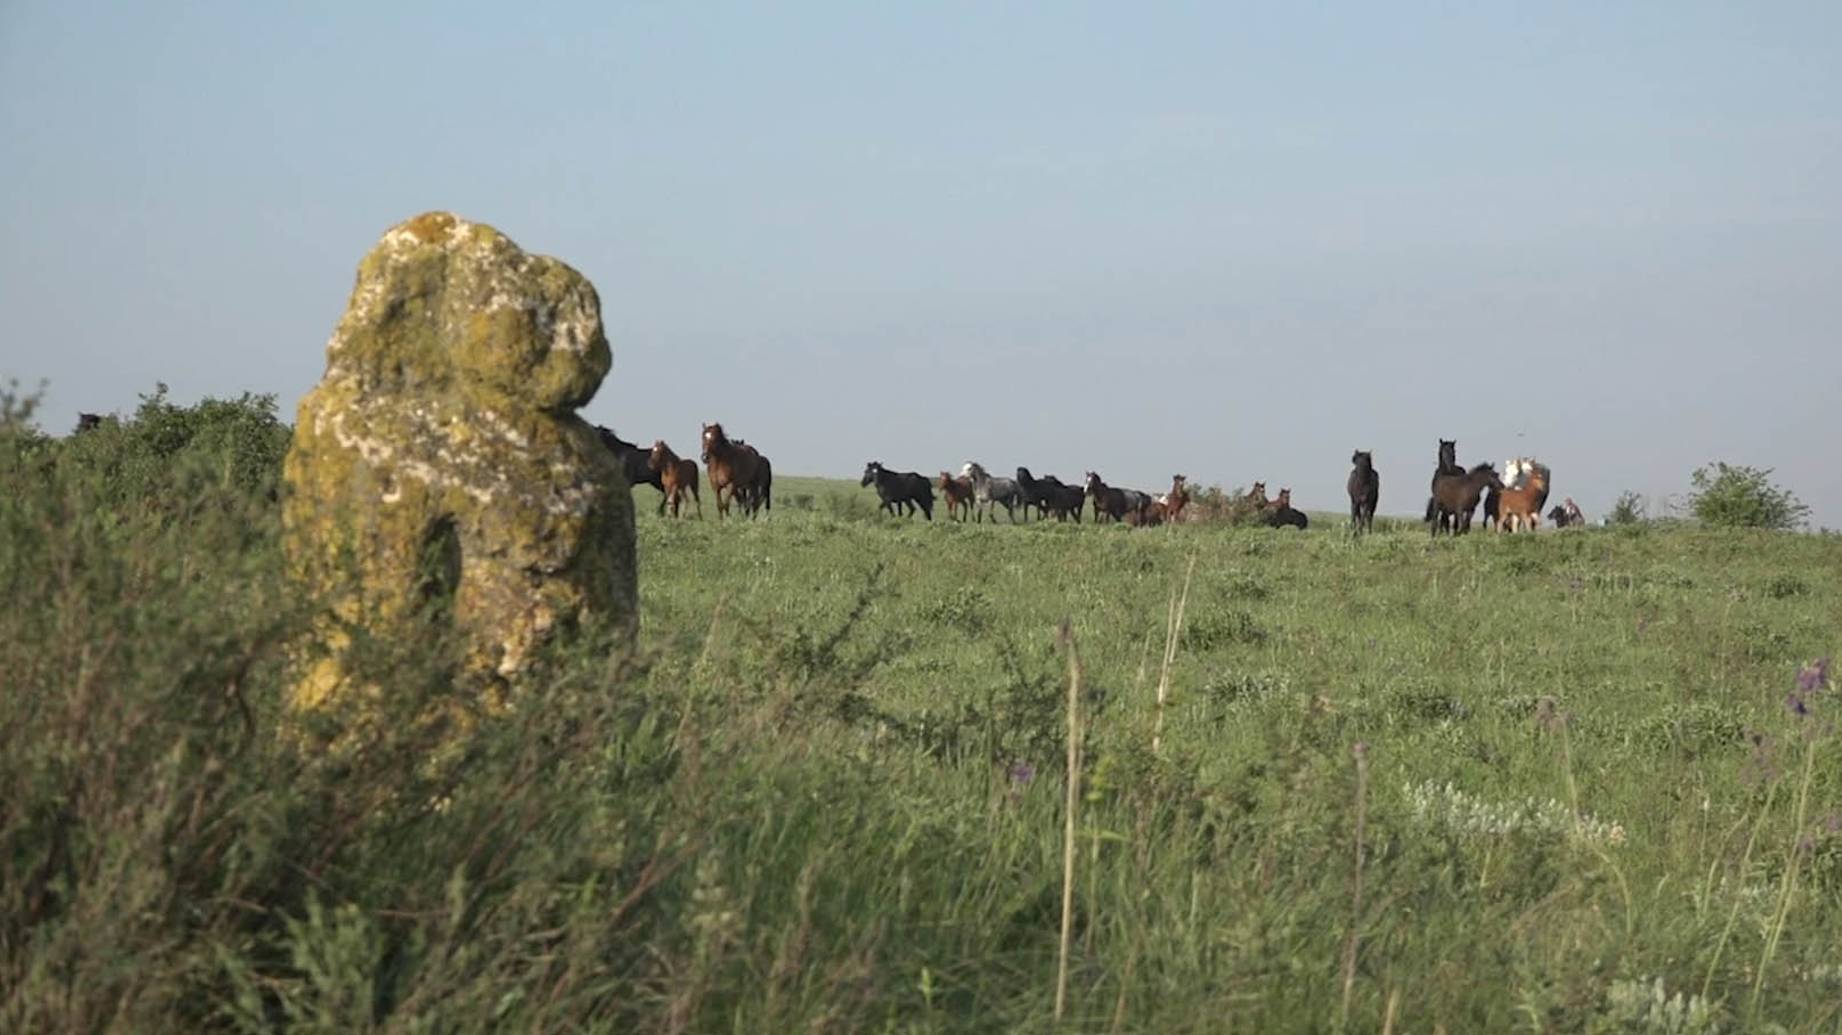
439, 472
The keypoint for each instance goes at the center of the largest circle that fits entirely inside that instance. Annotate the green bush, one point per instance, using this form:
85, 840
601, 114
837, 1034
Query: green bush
1732, 496
1629, 510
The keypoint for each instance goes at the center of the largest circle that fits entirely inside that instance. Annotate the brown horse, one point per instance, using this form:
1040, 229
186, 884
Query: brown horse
958, 493
676, 476
1365, 490
1257, 496
737, 471
1176, 499
1455, 498
1520, 505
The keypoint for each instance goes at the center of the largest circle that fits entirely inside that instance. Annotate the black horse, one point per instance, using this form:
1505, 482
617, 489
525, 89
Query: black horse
635, 462
899, 489
1035, 492
1064, 501
1455, 498
1448, 464
1365, 491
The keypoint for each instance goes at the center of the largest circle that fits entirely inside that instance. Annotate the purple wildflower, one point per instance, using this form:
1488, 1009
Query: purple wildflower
1812, 679
1021, 773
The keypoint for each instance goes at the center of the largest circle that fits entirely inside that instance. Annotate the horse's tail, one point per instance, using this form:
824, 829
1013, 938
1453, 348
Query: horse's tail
1431, 505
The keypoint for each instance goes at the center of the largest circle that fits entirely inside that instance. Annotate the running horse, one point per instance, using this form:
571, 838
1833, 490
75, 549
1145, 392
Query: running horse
677, 477
958, 494
738, 470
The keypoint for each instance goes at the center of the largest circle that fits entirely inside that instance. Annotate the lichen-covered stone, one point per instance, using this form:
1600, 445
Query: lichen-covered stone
439, 471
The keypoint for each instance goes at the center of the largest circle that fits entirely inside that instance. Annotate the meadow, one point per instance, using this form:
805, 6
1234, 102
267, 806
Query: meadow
1559, 782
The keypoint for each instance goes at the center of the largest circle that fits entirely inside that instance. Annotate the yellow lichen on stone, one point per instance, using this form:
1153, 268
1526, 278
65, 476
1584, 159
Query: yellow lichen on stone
445, 426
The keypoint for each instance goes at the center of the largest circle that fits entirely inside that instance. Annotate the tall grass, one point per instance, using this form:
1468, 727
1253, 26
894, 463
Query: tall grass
825, 793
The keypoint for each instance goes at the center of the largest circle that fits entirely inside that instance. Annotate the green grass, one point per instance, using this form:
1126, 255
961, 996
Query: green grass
800, 807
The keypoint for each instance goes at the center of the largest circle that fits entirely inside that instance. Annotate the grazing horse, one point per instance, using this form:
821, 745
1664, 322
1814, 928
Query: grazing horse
1281, 513
898, 489
1365, 491
1064, 501
1455, 498
676, 476
738, 469
987, 491
958, 494
1520, 504
87, 422
635, 463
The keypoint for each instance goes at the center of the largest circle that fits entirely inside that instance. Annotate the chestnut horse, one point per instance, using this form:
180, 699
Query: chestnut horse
738, 469
676, 476
958, 494
1520, 504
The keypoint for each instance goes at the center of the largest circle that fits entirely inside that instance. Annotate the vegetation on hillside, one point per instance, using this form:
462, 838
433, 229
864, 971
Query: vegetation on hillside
1581, 781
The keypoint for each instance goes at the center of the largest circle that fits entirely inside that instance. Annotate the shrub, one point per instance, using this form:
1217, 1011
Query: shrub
1733, 496
1629, 510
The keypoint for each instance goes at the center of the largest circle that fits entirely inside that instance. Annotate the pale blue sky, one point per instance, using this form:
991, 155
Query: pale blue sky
1232, 241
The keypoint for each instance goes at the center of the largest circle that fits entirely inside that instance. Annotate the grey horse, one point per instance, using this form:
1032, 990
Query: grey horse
986, 490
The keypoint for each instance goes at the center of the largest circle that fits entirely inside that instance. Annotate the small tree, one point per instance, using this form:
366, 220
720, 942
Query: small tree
1732, 496
1629, 510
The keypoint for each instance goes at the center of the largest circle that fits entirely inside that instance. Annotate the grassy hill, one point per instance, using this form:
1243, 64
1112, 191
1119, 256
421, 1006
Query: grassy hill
1542, 782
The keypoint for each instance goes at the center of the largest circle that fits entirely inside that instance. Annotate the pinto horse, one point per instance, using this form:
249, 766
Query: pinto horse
898, 489
738, 469
958, 494
676, 476
1365, 491
1455, 498
1519, 505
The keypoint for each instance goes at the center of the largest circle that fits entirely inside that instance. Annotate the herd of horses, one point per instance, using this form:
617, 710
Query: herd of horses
742, 477
975, 494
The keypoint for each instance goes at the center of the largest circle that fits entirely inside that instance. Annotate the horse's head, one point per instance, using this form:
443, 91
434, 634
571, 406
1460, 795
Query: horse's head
713, 433
1363, 459
1285, 497
1257, 493
1448, 452
870, 471
1094, 484
1024, 477
659, 455
1487, 475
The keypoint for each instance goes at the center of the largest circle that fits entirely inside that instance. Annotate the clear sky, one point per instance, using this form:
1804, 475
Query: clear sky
1233, 241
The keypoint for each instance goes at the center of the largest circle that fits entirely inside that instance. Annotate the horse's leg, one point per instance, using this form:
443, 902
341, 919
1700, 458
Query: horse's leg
699, 500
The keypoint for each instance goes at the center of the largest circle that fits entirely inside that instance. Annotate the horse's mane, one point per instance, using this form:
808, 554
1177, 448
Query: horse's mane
1481, 468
